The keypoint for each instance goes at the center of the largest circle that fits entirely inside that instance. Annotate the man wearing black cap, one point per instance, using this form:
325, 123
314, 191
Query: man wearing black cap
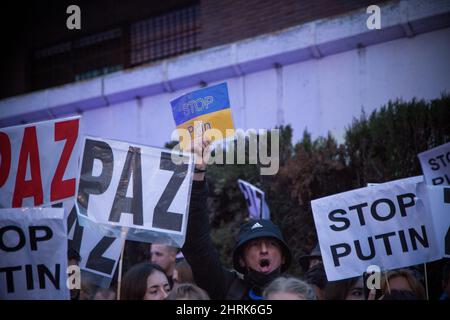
314, 271
310, 260
260, 254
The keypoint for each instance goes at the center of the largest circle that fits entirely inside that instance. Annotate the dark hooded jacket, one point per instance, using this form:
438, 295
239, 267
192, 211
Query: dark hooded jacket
199, 251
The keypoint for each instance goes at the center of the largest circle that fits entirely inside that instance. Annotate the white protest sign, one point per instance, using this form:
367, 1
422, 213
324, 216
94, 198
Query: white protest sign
437, 201
33, 254
379, 225
412, 180
436, 165
136, 188
255, 198
99, 254
39, 163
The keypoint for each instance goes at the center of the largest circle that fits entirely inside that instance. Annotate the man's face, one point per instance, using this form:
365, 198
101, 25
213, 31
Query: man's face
262, 255
164, 256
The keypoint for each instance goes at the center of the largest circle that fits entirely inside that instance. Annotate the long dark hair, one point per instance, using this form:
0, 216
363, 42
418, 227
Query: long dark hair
134, 283
338, 290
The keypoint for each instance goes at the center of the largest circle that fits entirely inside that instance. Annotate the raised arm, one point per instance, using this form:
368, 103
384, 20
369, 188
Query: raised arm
198, 248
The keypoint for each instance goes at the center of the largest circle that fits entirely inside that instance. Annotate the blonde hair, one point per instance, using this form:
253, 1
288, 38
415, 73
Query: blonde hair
414, 284
187, 291
184, 272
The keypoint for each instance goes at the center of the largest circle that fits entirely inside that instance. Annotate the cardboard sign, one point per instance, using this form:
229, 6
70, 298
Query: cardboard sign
211, 106
99, 254
39, 163
136, 188
380, 225
255, 198
33, 254
436, 165
437, 201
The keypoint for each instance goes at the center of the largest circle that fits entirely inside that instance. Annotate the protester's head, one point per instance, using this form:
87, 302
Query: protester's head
317, 278
145, 281
105, 294
260, 247
347, 289
288, 288
88, 288
400, 295
403, 280
310, 260
165, 256
187, 291
182, 273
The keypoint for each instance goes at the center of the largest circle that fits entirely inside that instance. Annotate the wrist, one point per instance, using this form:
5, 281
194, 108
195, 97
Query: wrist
199, 170
199, 176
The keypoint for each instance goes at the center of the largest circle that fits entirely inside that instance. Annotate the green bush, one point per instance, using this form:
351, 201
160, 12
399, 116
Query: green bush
384, 146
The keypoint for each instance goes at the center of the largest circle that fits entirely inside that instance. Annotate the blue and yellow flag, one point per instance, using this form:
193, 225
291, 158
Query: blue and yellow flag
211, 106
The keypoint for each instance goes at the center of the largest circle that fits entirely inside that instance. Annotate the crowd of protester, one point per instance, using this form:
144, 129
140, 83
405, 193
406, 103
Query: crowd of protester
149, 281
261, 258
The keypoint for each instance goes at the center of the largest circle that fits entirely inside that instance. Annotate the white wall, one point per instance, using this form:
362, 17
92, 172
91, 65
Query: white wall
321, 94
326, 94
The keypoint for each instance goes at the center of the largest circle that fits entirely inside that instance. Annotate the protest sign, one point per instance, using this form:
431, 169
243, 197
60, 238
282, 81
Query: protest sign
33, 254
38, 163
255, 198
135, 188
210, 106
99, 254
380, 225
437, 201
436, 165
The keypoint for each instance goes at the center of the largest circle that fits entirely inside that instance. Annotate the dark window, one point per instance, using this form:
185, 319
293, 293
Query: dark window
131, 44
165, 36
76, 60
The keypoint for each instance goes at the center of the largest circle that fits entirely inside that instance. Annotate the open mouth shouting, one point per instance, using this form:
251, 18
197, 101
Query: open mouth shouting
264, 265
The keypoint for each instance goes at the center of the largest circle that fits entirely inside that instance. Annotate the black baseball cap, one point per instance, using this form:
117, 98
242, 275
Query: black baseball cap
259, 229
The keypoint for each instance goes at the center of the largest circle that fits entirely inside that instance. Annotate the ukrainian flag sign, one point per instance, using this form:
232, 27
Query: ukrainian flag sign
209, 105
